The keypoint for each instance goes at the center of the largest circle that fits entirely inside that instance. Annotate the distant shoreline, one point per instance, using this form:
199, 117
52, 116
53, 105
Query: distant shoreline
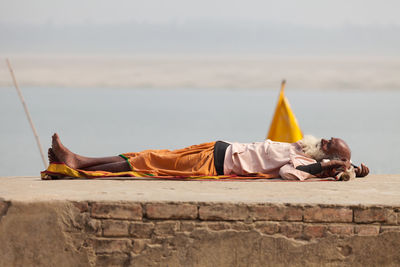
204, 71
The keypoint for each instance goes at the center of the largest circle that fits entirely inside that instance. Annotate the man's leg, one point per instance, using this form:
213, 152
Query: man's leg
122, 166
61, 153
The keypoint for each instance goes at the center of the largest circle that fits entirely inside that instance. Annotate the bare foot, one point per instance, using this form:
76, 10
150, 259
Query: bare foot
52, 157
63, 154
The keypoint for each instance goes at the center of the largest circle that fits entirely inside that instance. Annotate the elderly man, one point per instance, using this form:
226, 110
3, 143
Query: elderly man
301, 160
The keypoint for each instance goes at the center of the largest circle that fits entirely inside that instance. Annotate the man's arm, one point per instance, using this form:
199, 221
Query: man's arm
328, 168
331, 167
313, 168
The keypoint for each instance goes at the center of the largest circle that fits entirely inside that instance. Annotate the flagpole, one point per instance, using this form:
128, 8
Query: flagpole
27, 113
283, 84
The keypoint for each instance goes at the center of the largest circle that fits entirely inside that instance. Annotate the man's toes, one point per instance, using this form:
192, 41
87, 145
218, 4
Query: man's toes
52, 156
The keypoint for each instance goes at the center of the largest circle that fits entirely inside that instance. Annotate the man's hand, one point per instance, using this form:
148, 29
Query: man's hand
333, 167
336, 164
361, 171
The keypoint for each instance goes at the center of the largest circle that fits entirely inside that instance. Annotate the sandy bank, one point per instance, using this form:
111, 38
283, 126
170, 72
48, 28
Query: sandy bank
203, 71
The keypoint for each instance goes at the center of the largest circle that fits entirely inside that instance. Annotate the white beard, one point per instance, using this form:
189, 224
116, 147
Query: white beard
312, 147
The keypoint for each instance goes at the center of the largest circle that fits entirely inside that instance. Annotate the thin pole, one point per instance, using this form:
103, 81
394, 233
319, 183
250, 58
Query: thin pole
27, 113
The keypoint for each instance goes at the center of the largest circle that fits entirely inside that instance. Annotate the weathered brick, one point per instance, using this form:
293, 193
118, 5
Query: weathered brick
107, 245
166, 228
93, 226
341, 230
177, 242
115, 228
328, 214
366, 230
139, 245
114, 259
218, 226
392, 217
160, 240
84, 222
241, 226
276, 213
314, 231
368, 215
187, 226
117, 211
225, 212
141, 229
83, 206
171, 211
268, 228
201, 225
385, 229
291, 230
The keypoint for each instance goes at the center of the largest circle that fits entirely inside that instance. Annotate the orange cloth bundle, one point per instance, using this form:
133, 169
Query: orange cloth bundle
196, 160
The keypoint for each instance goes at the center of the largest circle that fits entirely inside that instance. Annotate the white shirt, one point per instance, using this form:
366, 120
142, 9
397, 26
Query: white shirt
273, 159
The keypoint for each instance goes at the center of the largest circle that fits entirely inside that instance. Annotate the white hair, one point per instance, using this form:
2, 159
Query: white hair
312, 147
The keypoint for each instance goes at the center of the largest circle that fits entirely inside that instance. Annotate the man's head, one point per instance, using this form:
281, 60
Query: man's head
320, 149
336, 148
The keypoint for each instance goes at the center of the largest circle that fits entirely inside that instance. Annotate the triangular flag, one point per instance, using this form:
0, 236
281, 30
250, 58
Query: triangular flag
284, 126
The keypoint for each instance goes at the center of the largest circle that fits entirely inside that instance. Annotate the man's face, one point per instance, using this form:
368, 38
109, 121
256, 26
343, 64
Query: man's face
336, 147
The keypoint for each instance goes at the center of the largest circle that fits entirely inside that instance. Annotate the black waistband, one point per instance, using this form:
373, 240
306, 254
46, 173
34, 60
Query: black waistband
219, 156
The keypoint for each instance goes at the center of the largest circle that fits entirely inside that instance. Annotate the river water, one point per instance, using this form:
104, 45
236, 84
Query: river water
107, 121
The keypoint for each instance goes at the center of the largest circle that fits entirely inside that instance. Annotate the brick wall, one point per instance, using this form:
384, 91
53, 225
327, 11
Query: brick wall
123, 233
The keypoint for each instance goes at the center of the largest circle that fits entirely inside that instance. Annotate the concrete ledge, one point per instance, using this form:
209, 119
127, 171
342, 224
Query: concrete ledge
129, 223
372, 190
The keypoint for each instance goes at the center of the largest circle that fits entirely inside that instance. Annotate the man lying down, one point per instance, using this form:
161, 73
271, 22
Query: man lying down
307, 158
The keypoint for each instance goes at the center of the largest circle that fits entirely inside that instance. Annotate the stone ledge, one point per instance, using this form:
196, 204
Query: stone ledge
384, 189
77, 231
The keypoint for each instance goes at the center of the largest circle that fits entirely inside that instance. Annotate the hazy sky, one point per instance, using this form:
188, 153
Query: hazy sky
209, 26
315, 13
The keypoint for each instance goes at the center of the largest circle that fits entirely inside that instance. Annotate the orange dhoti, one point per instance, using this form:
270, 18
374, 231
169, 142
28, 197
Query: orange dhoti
196, 160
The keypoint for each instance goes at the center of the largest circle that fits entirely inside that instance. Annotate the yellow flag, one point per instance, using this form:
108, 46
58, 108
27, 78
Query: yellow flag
284, 126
